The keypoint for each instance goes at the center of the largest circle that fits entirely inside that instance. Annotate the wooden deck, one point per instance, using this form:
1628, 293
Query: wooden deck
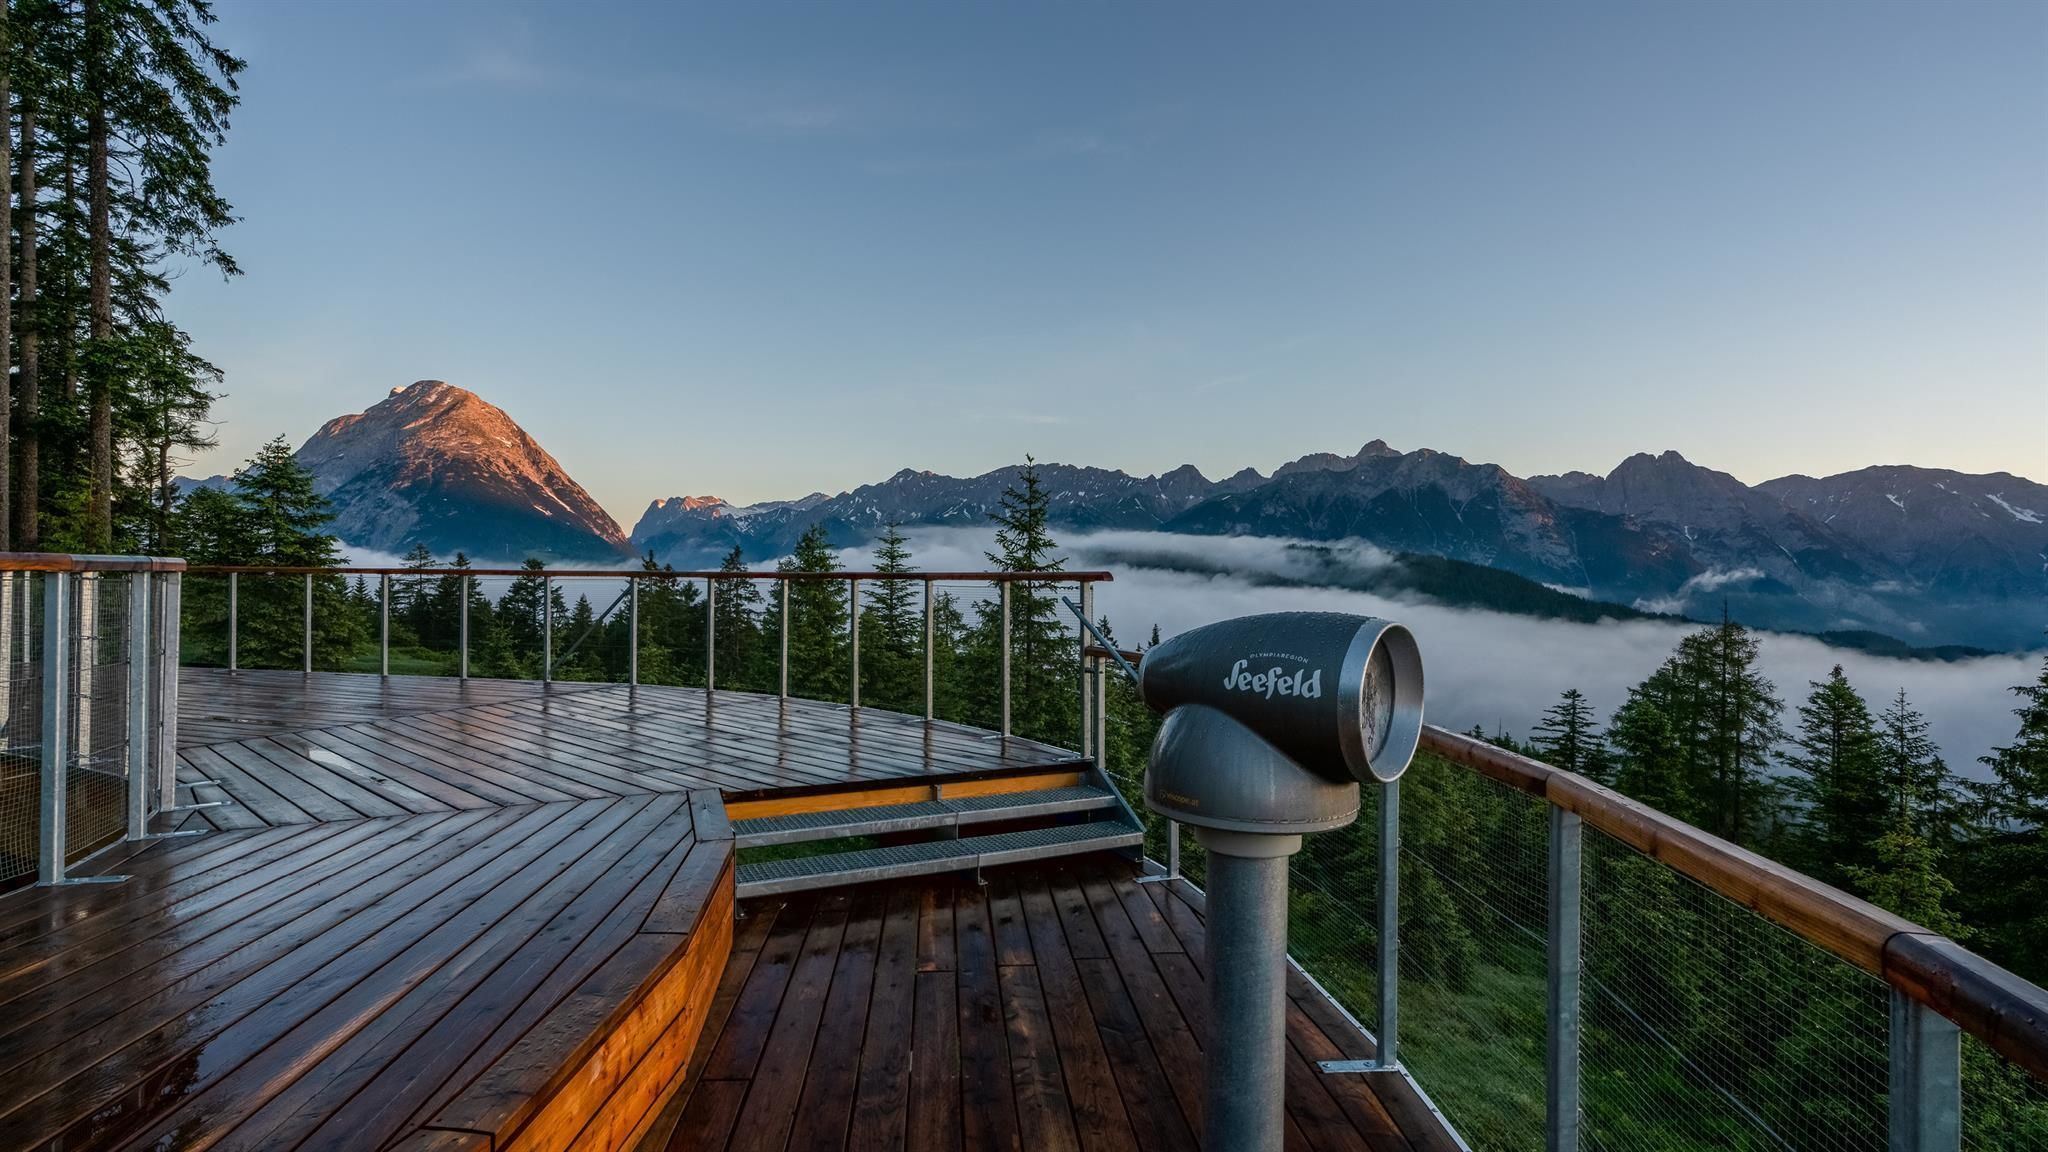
489, 915
288, 748
1059, 1007
445, 977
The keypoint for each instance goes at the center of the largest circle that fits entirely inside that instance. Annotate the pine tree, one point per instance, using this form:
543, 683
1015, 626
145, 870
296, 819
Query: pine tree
155, 99
2007, 891
1648, 763
1906, 873
280, 522
1917, 786
819, 659
1737, 727
740, 659
1838, 779
120, 104
892, 632
412, 602
1044, 657
519, 614
284, 513
671, 627
1568, 736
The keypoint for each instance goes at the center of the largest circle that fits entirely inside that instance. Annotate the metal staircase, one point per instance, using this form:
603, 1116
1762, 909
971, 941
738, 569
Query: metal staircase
1029, 817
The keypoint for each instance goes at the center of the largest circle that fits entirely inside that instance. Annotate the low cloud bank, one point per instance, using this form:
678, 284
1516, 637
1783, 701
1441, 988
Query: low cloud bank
1490, 668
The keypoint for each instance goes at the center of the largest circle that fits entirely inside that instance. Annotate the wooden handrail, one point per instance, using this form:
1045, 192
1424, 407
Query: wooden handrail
2008, 1013
70, 562
650, 574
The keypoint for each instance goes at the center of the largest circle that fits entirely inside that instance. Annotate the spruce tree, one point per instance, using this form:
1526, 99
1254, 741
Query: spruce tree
1838, 779
671, 627
2007, 892
819, 658
739, 628
1649, 765
1740, 729
520, 612
1917, 785
892, 631
1568, 737
1906, 874
1044, 656
412, 597
281, 522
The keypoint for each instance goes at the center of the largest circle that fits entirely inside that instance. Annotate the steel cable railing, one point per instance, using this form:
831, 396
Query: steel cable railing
870, 638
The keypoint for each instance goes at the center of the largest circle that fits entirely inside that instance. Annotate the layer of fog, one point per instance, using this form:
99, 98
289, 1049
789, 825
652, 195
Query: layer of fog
1493, 669
1489, 668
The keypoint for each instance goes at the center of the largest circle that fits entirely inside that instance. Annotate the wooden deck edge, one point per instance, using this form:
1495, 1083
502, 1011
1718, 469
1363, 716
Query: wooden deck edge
611, 1085
839, 797
740, 802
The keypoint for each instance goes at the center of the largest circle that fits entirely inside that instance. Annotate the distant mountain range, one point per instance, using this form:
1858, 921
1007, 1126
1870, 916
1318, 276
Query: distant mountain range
1931, 557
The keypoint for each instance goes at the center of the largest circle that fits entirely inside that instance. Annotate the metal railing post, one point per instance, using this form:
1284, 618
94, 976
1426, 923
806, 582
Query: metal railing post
1561, 1053
633, 627
853, 628
1101, 716
782, 664
139, 733
547, 628
168, 657
384, 624
1087, 694
710, 634
85, 625
306, 640
1005, 598
234, 616
1390, 924
1926, 1078
462, 630
929, 632
56, 726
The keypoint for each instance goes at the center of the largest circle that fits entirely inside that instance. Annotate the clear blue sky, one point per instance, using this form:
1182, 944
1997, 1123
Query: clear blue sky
760, 249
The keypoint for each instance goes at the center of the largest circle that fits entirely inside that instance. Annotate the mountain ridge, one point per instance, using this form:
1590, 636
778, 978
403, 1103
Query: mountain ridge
1933, 556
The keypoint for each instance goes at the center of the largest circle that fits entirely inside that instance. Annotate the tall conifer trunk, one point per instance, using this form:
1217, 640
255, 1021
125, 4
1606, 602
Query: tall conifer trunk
6, 298
99, 521
29, 438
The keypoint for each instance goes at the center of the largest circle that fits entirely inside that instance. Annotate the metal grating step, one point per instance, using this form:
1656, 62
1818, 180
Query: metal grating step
770, 877
924, 814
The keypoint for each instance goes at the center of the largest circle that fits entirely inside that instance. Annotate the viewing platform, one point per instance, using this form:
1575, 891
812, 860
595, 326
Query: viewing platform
299, 909
440, 913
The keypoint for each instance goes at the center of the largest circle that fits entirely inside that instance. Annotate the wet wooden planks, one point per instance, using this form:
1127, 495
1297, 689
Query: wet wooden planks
1059, 1007
516, 977
400, 745
215, 704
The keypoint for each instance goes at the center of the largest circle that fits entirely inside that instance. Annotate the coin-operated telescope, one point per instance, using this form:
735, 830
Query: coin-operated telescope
1271, 724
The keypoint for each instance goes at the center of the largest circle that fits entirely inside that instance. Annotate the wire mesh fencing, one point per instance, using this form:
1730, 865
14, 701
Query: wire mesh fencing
1706, 1022
1701, 1023
97, 772
2004, 1108
21, 632
110, 689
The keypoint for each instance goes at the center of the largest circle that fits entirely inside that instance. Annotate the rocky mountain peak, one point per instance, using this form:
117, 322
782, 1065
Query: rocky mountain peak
438, 465
1332, 462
